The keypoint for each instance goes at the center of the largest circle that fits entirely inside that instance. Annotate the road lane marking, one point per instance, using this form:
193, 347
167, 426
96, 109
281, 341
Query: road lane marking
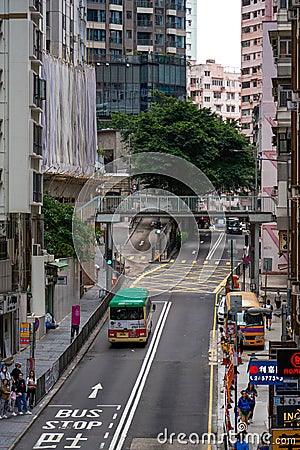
60, 406
95, 389
143, 275
111, 425
106, 435
115, 416
136, 392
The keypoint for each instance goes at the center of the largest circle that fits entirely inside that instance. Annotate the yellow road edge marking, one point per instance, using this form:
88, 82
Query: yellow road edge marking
143, 275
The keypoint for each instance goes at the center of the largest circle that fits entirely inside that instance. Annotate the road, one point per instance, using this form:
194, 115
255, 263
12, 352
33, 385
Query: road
121, 395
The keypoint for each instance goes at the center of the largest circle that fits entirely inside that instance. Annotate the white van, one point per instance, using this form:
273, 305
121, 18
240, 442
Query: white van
222, 309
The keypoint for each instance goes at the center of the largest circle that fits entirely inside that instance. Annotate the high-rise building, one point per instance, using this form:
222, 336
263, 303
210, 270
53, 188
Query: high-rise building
137, 46
212, 86
254, 13
22, 91
191, 30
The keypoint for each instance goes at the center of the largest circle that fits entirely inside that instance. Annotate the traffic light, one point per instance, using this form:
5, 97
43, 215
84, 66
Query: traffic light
109, 256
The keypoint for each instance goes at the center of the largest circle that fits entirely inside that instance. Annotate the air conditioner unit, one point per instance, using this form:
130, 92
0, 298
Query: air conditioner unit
295, 97
291, 106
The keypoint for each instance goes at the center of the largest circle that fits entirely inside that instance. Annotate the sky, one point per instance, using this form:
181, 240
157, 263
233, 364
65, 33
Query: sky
219, 32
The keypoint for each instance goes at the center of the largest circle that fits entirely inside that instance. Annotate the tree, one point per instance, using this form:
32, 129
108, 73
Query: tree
197, 135
58, 231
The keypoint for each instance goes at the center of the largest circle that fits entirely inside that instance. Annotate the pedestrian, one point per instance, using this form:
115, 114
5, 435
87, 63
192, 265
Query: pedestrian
21, 395
240, 337
31, 388
289, 330
243, 407
241, 443
15, 372
4, 374
277, 299
1, 361
4, 399
252, 394
269, 309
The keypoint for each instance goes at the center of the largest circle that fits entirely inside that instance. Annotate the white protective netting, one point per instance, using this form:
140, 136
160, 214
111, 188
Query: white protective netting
69, 117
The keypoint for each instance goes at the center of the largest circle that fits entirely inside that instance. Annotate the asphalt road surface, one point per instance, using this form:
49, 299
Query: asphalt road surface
162, 388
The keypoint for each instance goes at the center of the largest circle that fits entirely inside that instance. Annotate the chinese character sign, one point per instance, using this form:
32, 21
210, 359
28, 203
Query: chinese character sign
264, 372
24, 333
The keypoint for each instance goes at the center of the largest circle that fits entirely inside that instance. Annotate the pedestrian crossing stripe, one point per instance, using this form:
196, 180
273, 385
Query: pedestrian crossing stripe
183, 261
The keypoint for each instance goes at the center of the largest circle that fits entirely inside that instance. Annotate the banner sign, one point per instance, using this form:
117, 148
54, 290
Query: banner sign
285, 439
288, 362
264, 372
288, 416
24, 333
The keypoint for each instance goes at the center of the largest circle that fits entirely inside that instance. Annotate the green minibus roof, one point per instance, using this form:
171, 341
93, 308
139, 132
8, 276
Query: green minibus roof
129, 297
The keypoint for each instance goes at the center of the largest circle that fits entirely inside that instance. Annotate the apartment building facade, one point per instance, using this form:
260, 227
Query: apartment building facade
137, 46
254, 13
211, 85
22, 94
191, 30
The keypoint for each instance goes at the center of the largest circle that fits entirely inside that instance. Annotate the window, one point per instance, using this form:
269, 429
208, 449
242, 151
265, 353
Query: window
285, 47
207, 99
245, 2
217, 82
116, 17
246, 30
116, 37
246, 98
245, 71
159, 39
95, 35
284, 4
246, 44
218, 108
245, 84
246, 126
206, 86
37, 187
255, 27
128, 34
128, 15
254, 69
254, 83
96, 15
254, 14
159, 20
262, 12
246, 16
207, 73
217, 94
255, 42
97, 1
245, 112
284, 142
227, 108
246, 57
37, 139
285, 94
39, 90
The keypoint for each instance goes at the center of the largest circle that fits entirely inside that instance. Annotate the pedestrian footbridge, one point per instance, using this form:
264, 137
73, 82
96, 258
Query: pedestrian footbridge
256, 208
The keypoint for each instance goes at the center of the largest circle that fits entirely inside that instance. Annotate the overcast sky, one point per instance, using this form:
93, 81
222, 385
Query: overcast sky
219, 31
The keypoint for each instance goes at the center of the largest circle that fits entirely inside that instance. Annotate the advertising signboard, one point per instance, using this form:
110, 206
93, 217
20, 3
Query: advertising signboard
288, 416
264, 372
288, 362
24, 333
285, 439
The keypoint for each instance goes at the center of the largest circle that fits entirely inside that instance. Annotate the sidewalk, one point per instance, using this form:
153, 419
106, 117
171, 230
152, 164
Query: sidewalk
260, 421
47, 351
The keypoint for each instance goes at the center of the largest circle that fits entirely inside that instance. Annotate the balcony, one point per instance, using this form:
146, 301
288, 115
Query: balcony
144, 23
144, 4
144, 42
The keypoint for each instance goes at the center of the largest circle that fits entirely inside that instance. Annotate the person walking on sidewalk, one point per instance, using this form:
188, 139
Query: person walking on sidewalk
15, 372
21, 395
277, 300
269, 311
252, 394
243, 407
4, 398
31, 388
240, 337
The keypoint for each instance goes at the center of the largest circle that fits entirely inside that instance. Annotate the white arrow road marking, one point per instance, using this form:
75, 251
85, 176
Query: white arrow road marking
95, 390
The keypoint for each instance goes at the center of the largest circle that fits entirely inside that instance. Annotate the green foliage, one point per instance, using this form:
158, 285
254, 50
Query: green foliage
58, 235
197, 135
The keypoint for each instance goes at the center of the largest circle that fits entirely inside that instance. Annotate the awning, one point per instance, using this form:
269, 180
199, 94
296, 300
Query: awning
61, 265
